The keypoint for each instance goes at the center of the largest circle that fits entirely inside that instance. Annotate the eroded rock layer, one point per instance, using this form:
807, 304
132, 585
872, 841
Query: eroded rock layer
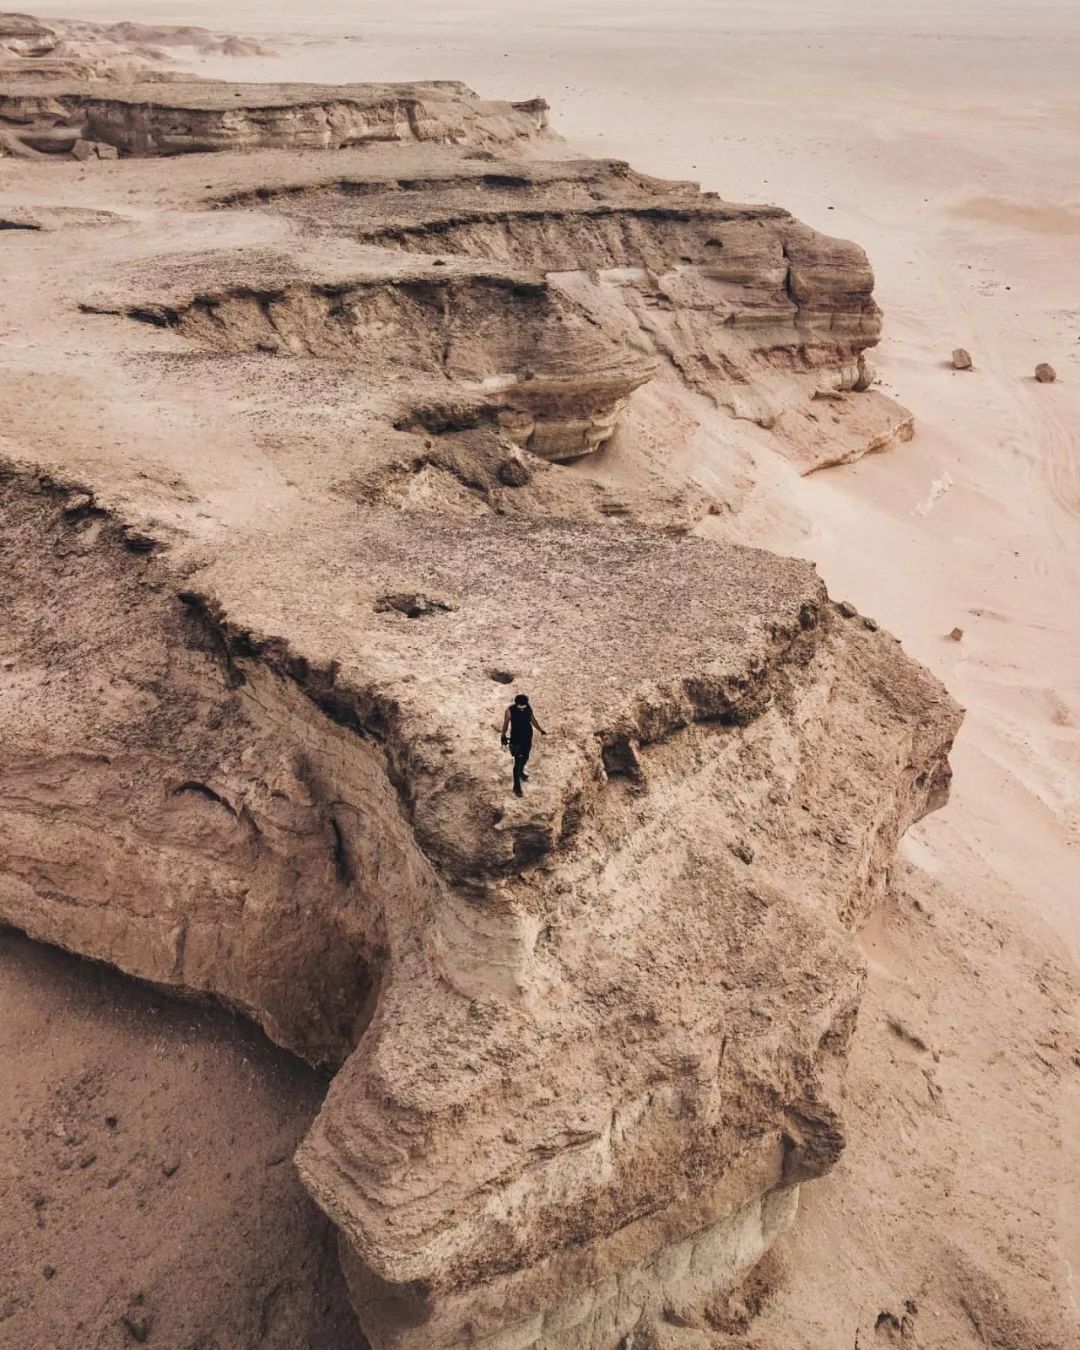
284, 521
505, 340
175, 118
749, 307
590, 1027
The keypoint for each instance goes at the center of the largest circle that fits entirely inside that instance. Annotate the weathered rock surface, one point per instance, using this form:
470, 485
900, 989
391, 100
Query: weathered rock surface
66, 50
72, 39
1045, 373
176, 118
743, 303
961, 359
611, 953
776, 333
22, 35
550, 378
623, 1003
279, 525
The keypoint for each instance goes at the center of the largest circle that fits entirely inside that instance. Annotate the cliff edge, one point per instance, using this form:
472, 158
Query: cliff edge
285, 522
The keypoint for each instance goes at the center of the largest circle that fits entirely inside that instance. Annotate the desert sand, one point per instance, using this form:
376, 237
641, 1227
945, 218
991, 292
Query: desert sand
942, 140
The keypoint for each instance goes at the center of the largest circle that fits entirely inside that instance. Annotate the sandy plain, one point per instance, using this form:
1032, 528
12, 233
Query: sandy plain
944, 140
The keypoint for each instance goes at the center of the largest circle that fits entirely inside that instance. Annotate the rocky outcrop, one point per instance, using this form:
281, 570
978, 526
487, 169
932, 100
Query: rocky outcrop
176, 118
599, 1033
743, 303
33, 53
740, 303
243, 834
503, 340
23, 36
675, 961
283, 525
69, 40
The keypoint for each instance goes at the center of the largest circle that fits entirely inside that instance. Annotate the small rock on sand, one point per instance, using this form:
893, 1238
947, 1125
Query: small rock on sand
514, 473
84, 150
138, 1321
961, 359
1045, 373
137, 1326
957, 634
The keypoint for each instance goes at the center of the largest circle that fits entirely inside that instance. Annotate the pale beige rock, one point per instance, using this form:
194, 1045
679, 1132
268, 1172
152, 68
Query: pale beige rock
155, 118
507, 340
751, 308
84, 150
469, 953
269, 569
23, 36
961, 359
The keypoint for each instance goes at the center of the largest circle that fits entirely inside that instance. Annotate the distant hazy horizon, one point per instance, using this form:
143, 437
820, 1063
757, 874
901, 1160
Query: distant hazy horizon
937, 18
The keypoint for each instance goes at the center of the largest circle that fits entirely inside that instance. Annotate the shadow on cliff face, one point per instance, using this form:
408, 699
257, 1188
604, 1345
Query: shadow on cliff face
742, 304
507, 343
150, 1193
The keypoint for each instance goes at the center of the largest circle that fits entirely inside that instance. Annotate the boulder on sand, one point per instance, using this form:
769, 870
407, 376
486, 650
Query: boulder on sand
84, 150
1045, 373
961, 358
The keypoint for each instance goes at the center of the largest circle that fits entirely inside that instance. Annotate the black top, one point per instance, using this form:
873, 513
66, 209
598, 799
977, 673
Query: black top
520, 725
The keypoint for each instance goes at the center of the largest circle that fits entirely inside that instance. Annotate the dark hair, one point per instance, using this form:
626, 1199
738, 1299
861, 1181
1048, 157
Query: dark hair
522, 700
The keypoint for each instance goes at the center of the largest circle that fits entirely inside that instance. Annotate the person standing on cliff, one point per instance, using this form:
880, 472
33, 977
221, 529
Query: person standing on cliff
519, 720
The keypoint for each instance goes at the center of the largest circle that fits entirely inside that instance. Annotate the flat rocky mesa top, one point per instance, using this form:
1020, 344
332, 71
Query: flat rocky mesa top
297, 493
97, 92
218, 96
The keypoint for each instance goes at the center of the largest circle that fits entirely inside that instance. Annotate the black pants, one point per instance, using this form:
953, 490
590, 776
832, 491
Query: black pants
520, 751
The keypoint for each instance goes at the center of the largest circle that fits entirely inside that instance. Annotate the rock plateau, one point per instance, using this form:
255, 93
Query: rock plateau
284, 510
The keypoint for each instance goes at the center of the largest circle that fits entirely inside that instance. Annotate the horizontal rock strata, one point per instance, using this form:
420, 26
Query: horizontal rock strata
748, 306
284, 524
740, 303
174, 118
629, 994
553, 380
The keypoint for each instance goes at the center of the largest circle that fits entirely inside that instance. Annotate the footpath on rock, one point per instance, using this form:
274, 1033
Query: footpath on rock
291, 378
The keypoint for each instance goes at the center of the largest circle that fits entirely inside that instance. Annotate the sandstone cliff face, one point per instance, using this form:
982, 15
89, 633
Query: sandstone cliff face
140, 730
745, 305
175, 118
505, 340
276, 543
66, 54
599, 1034
741, 304
21, 35
700, 966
